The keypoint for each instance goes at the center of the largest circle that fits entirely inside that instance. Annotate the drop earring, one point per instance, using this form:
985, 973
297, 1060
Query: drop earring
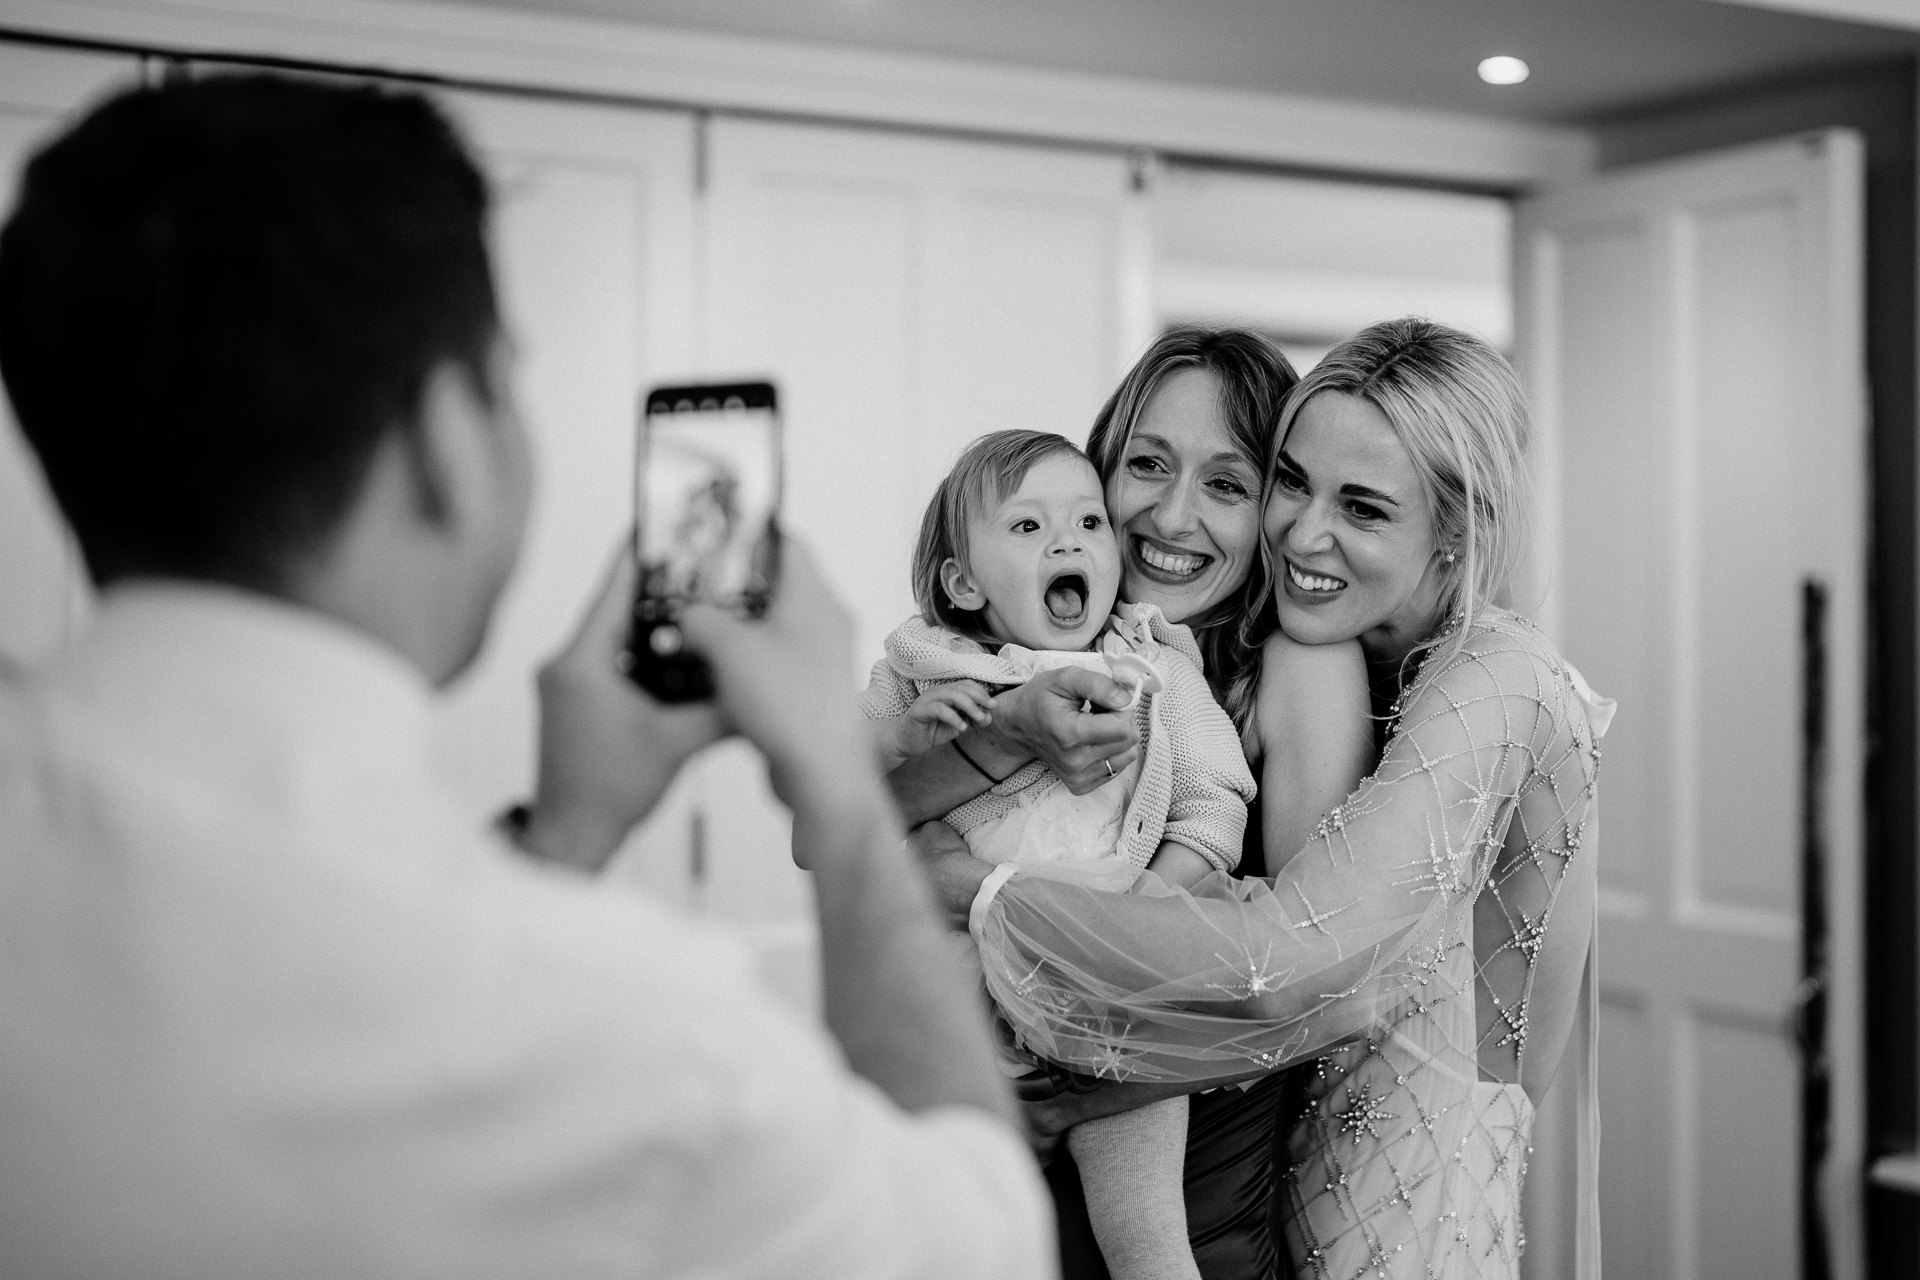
1449, 557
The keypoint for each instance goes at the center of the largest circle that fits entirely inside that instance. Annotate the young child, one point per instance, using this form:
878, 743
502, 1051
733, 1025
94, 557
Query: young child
1015, 572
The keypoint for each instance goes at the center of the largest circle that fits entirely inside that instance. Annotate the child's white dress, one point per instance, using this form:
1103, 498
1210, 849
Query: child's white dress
1054, 833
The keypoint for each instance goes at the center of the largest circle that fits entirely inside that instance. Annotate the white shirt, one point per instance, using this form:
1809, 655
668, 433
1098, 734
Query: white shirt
269, 1006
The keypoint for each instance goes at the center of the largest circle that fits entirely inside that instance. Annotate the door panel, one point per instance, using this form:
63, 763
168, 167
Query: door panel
907, 294
1026, 323
1747, 416
1747, 1145
1692, 345
1610, 435
593, 248
839, 322
1628, 1140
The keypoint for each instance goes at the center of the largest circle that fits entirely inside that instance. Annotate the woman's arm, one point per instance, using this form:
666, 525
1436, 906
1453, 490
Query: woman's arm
1313, 722
1048, 1118
952, 871
1051, 1113
1176, 864
1042, 719
1171, 985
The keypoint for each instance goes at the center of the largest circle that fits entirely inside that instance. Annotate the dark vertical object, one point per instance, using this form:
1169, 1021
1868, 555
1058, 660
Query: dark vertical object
1810, 1000
702, 141
1139, 169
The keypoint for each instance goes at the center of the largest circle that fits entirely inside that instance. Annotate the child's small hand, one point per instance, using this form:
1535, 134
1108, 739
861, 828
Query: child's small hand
940, 715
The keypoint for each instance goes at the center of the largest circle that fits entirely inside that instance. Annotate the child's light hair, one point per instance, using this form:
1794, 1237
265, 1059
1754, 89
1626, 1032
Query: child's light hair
1456, 405
989, 470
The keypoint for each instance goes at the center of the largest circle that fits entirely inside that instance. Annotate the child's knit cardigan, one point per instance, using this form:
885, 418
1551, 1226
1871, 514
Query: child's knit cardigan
1194, 784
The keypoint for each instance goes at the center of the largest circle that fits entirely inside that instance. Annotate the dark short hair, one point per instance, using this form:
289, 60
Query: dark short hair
218, 298
988, 470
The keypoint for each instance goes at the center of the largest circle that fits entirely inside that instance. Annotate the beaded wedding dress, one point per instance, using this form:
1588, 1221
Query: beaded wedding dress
1430, 950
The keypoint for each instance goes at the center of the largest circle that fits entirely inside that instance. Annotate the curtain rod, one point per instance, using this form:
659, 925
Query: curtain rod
1183, 159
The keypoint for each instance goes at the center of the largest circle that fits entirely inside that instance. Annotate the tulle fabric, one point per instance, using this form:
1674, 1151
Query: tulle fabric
1434, 936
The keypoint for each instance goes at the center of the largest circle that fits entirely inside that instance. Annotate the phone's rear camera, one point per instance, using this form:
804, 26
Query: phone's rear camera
665, 640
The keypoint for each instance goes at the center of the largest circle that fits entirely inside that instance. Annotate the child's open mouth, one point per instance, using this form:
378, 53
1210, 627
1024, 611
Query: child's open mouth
1066, 598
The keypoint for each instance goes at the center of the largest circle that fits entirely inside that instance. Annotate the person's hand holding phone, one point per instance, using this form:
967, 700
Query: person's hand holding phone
607, 750
784, 681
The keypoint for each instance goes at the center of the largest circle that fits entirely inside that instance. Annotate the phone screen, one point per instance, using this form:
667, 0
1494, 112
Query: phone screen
707, 490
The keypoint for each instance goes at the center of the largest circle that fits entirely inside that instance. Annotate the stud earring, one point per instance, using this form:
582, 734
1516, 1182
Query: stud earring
1449, 557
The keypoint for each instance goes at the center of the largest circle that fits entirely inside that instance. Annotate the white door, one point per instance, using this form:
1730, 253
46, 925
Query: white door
1691, 335
593, 251
907, 294
43, 586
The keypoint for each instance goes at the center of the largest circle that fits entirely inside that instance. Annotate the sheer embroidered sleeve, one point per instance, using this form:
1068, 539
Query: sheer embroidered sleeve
1236, 975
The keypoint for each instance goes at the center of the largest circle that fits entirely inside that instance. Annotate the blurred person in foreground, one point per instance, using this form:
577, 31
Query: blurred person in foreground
269, 1004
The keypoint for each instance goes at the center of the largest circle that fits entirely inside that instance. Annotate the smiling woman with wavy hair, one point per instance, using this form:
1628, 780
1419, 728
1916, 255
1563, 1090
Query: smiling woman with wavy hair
1456, 408
1249, 378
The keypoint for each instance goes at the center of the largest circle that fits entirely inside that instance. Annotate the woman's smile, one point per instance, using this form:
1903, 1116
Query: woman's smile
1313, 586
1186, 500
1163, 563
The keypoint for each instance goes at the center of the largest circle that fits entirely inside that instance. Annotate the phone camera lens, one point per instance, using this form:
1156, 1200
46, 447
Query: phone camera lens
665, 641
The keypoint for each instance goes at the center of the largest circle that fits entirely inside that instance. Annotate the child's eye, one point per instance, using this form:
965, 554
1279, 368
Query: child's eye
1026, 526
1092, 521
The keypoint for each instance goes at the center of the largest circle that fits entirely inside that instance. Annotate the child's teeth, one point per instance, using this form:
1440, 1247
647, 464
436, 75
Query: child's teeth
1169, 563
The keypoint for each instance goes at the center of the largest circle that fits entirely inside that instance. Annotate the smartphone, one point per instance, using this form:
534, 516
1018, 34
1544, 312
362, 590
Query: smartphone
706, 497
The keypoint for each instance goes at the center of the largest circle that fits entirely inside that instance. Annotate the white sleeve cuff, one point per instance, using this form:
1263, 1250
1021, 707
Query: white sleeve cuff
989, 888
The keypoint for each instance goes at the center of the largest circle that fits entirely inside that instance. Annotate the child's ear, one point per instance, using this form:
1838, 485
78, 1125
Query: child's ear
959, 587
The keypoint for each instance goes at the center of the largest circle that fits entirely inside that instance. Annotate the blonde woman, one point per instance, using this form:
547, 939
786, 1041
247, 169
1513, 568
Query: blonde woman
1428, 949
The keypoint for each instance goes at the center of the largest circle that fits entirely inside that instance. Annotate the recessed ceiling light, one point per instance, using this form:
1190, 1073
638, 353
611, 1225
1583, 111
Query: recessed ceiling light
1503, 70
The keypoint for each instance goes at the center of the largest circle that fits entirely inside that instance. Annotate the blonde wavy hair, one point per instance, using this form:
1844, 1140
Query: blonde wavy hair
1456, 404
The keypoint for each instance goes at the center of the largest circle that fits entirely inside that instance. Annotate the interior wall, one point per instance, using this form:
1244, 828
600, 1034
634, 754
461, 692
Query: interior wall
1312, 262
1879, 101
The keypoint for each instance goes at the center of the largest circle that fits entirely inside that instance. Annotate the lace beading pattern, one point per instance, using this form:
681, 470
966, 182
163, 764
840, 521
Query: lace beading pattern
1428, 947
